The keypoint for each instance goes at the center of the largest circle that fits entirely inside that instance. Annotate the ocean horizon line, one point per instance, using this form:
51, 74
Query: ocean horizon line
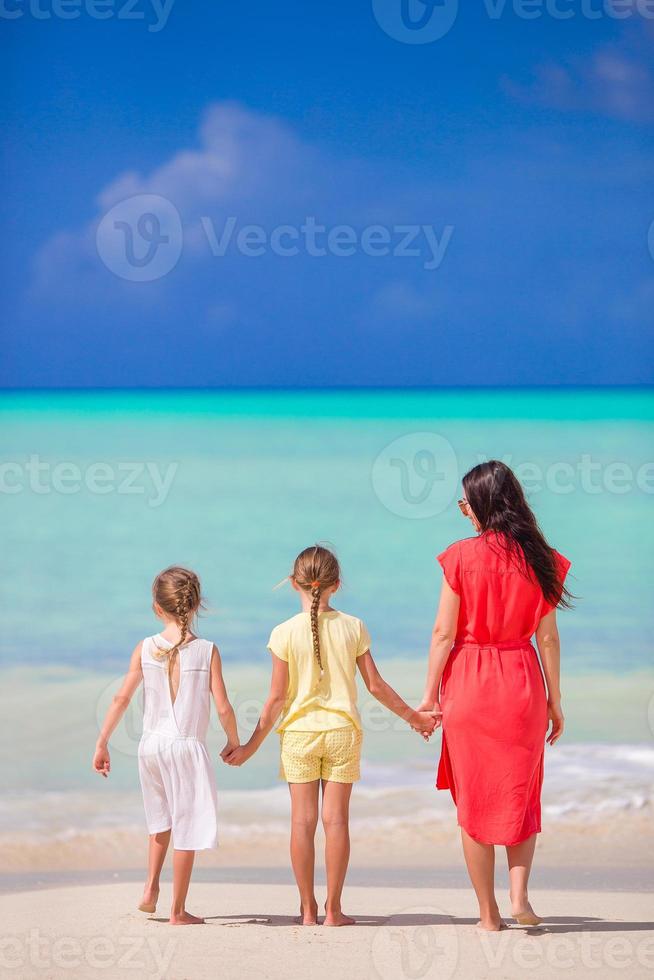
420, 406
88, 389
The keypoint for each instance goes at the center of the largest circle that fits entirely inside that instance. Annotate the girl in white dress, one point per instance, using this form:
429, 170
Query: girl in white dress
179, 672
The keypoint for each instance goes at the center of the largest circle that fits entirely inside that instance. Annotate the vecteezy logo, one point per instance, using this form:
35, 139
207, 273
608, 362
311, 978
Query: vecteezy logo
415, 21
140, 238
416, 475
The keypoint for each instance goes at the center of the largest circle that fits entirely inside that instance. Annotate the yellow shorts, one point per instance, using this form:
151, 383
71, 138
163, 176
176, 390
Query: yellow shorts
333, 755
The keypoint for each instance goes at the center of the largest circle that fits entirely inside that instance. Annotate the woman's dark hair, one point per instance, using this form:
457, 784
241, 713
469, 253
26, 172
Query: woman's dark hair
499, 504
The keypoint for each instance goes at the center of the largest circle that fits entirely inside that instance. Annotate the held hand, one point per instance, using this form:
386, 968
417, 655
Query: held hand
555, 715
238, 756
433, 709
425, 722
229, 748
101, 761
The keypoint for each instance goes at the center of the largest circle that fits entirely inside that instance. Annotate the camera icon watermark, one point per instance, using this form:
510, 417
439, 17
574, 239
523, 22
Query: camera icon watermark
415, 943
140, 239
416, 476
416, 21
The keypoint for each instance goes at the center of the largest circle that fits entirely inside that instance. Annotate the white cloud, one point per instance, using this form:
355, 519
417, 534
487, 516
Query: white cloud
247, 166
239, 152
615, 80
245, 163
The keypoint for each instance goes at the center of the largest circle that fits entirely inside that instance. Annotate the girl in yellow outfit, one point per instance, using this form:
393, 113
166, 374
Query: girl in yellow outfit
314, 660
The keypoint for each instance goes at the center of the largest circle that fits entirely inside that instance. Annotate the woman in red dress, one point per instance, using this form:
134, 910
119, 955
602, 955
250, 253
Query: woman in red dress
500, 589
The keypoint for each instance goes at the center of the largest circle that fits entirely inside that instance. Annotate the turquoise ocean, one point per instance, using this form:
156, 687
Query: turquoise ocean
101, 490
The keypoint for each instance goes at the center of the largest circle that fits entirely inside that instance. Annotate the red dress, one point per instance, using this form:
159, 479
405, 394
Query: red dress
493, 693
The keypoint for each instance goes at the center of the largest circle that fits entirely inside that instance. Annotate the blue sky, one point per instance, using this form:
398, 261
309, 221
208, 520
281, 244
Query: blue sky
512, 158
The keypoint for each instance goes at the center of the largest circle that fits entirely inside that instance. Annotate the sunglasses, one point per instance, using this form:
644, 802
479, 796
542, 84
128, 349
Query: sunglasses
464, 507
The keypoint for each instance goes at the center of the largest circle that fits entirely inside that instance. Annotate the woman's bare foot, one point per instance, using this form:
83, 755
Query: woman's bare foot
149, 900
310, 917
525, 915
185, 919
334, 917
491, 926
491, 921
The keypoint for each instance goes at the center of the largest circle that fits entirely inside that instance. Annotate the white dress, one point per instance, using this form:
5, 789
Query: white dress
177, 777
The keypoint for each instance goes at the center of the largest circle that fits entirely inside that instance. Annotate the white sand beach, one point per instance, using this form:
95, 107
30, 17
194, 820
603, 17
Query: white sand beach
415, 910
70, 897
96, 931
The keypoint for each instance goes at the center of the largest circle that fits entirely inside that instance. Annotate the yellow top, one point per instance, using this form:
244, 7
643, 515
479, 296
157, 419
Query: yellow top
315, 703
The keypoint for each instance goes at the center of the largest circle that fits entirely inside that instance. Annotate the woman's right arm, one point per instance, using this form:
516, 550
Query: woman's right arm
117, 708
442, 639
549, 648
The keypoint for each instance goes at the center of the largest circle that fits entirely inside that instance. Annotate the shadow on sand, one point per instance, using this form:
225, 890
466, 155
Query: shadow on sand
556, 924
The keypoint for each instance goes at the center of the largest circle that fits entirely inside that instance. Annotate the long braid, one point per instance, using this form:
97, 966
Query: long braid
315, 570
315, 632
182, 611
177, 590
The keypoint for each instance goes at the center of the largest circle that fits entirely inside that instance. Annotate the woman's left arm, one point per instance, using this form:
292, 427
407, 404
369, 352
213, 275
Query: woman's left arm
442, 639
549, 647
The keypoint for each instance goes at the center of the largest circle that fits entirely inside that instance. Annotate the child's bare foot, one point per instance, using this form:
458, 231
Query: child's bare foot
310, 917
185, 919
334, 917
149, 900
